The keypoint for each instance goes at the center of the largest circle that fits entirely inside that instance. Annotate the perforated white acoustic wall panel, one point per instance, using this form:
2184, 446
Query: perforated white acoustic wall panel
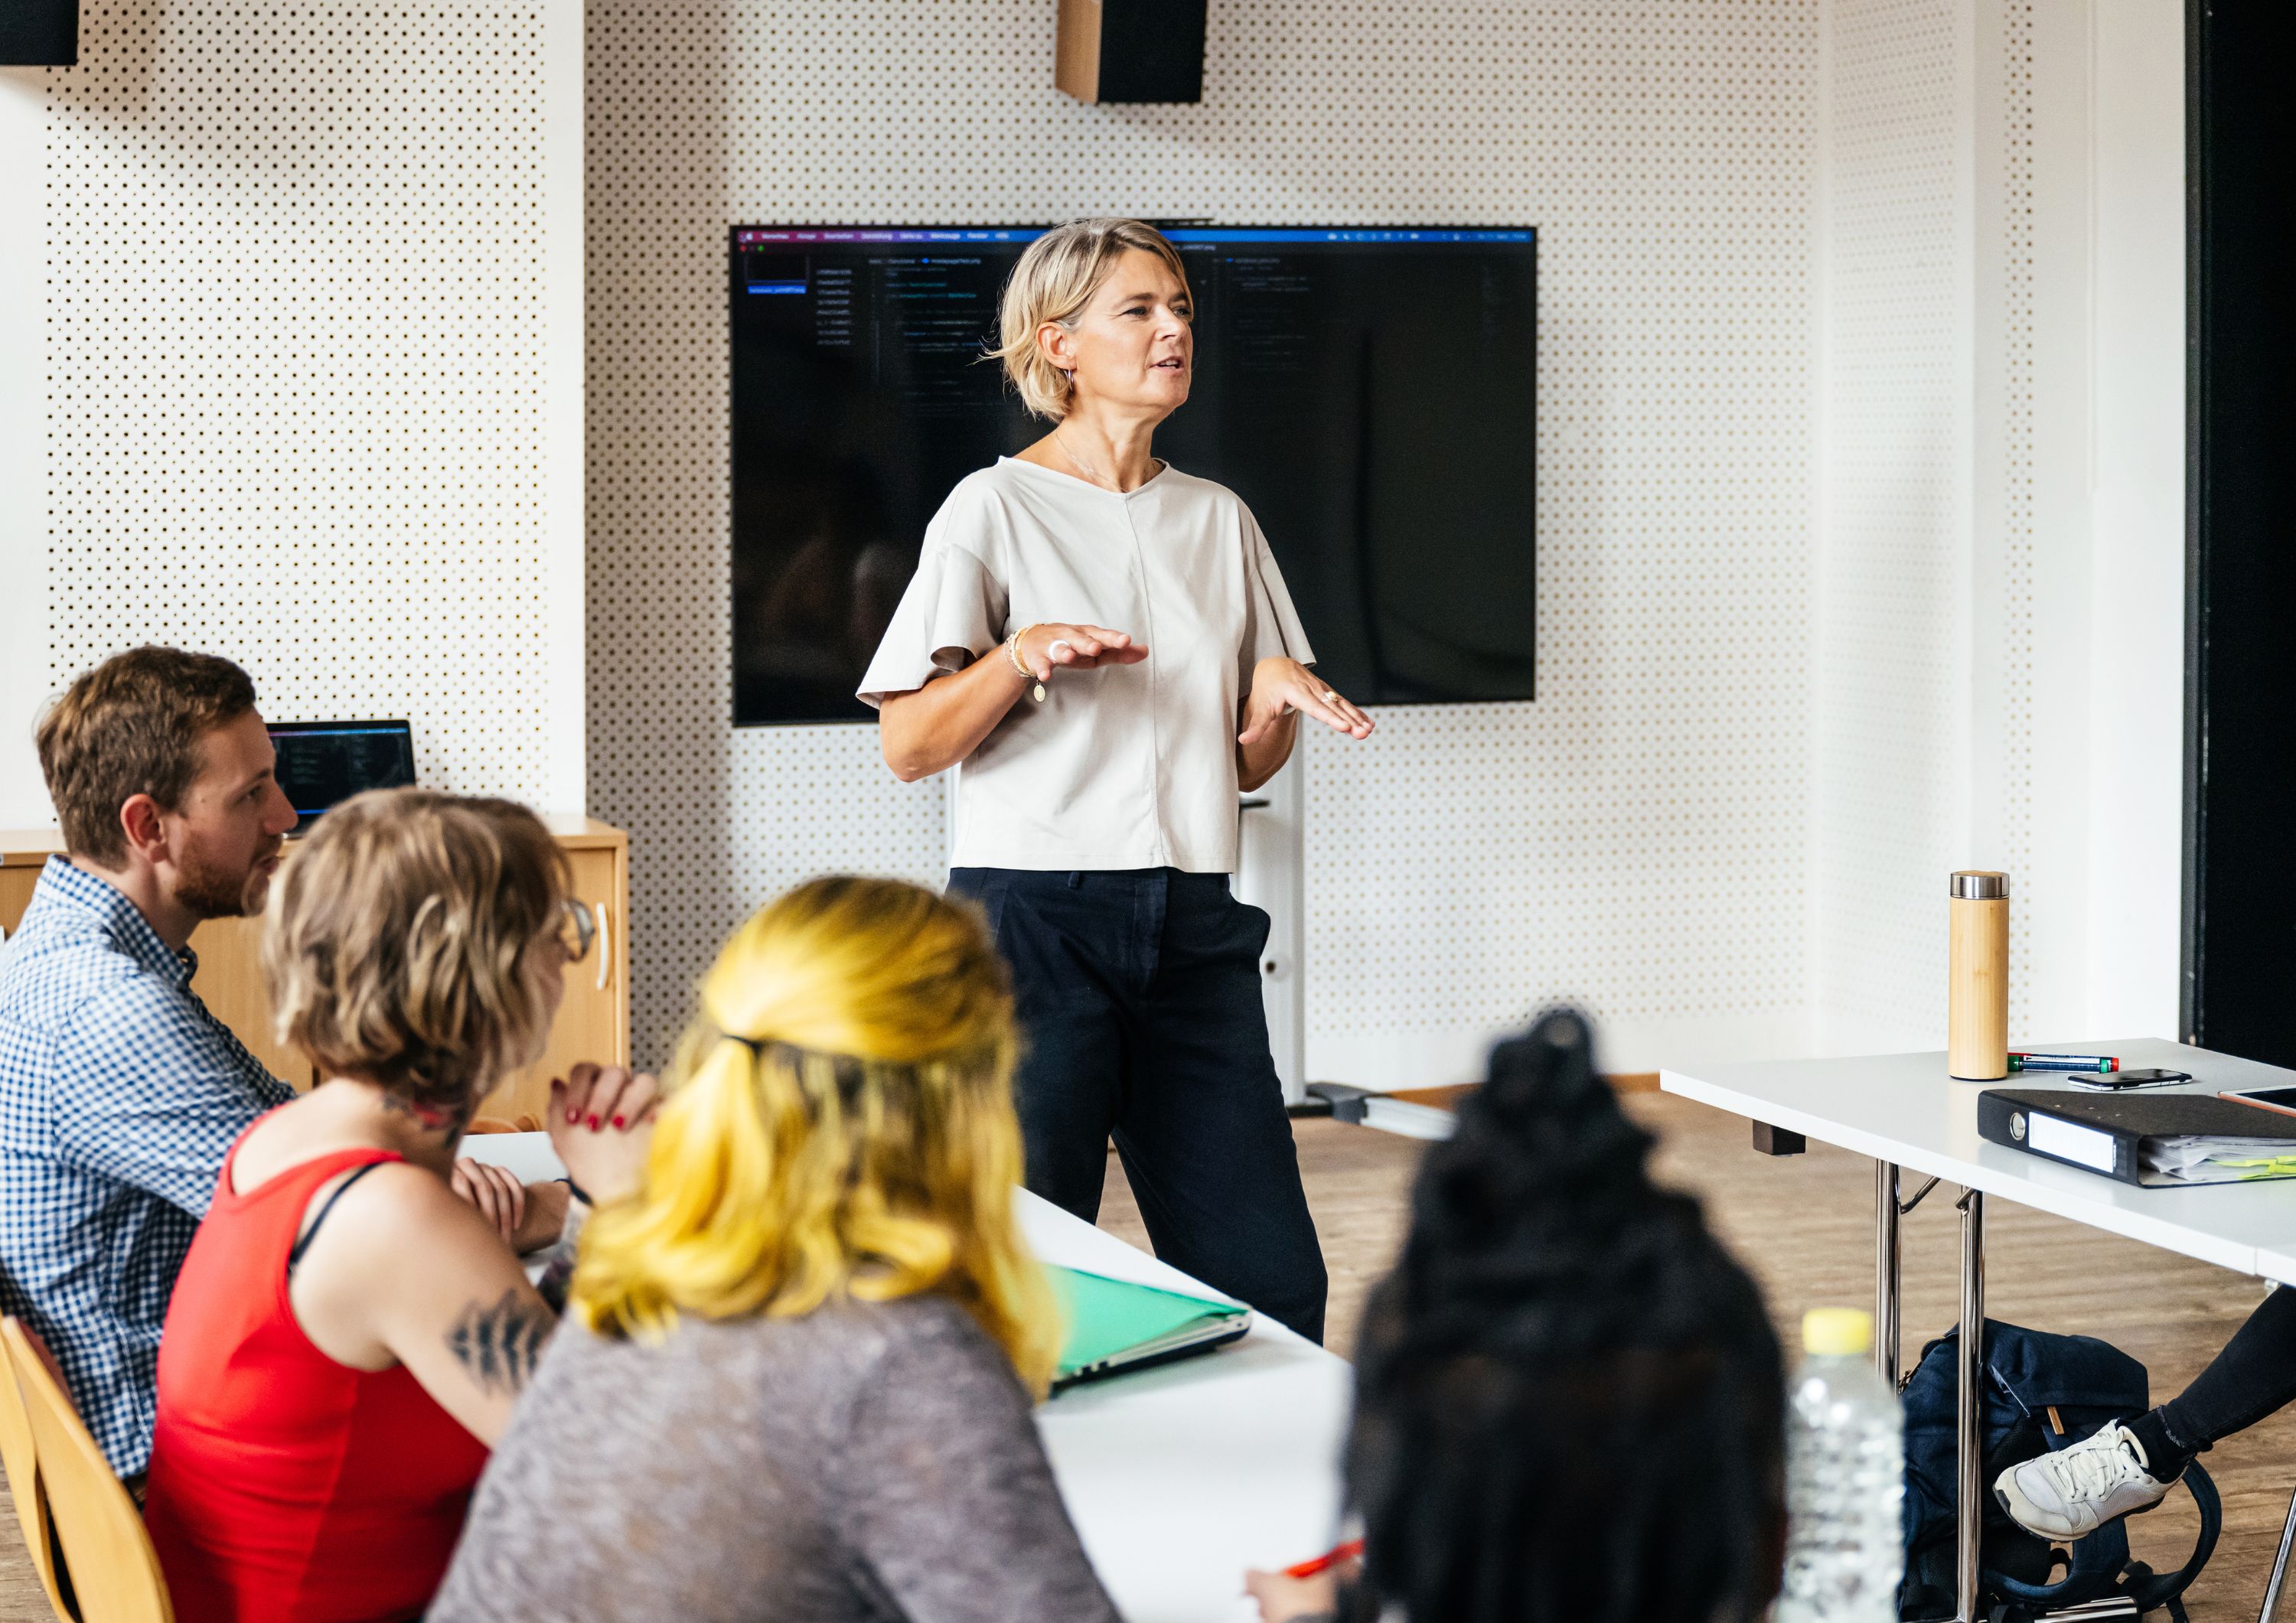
2009, 270
1633, 840
307, 293
1892, 736
1929, 718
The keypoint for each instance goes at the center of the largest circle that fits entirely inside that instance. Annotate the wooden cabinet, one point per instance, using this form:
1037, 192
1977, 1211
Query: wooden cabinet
18, 872
594, 1021
230, 982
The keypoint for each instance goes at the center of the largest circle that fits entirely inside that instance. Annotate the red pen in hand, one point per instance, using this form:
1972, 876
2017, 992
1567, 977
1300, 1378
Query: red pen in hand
1329, 1559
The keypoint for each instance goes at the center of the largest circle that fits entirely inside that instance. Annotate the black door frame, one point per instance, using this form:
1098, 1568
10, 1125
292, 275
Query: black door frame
2238, 990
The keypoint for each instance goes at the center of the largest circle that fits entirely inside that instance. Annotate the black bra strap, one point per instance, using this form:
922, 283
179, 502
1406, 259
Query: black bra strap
303, 1242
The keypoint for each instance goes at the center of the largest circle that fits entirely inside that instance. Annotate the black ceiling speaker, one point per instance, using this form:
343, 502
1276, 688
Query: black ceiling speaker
39, 33
1131, 49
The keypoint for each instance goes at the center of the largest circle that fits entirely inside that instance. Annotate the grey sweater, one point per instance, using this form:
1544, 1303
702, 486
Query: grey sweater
863, 1463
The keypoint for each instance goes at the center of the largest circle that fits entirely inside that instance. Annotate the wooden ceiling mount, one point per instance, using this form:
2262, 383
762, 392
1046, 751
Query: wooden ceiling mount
1131, 49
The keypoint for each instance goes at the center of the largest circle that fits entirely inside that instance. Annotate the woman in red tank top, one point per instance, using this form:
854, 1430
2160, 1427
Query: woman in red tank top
348, 1334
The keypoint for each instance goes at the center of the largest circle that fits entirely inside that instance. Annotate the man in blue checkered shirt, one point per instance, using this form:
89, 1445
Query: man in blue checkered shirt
119, 1093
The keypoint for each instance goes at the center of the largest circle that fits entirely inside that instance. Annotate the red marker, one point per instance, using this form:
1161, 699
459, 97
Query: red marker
1327, 1559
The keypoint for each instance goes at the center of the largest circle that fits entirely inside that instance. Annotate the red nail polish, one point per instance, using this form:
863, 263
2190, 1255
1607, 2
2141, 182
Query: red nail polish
618, 1121
594, 1124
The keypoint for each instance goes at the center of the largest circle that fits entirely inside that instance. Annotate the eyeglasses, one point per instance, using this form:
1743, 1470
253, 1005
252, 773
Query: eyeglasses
576, 929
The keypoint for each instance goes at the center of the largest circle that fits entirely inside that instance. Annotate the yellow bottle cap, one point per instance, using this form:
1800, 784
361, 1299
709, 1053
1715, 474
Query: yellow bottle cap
1837, 1332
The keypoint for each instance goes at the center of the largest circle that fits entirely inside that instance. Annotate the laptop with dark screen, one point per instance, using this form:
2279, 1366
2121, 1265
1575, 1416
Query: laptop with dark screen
323, 763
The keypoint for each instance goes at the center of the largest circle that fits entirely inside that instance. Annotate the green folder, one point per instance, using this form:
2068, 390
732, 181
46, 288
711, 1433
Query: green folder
1114, 1326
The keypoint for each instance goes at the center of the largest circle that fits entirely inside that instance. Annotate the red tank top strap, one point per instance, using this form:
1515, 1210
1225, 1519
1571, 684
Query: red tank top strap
270, 1216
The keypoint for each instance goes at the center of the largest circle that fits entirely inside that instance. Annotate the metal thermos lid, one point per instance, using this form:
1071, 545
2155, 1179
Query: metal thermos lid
1979, 885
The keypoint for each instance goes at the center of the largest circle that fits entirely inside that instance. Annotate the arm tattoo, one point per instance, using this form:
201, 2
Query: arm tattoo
500, 1345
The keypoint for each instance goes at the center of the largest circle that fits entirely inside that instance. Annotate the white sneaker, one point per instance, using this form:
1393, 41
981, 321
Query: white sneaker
2077, 1490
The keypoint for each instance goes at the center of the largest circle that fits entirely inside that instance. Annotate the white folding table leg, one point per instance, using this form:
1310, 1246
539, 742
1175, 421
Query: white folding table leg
1968, 1506
1886, 1271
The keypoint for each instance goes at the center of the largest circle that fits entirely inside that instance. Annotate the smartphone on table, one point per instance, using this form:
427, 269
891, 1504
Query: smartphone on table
2128, 1081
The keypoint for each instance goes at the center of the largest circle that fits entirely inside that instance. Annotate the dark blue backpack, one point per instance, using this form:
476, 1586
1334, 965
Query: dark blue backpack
2040, 1393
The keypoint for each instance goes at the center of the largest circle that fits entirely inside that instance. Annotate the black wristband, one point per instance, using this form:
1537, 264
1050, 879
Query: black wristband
578, 1193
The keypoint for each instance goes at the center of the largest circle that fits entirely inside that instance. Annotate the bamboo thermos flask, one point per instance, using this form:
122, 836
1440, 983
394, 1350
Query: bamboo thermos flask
1977, 1045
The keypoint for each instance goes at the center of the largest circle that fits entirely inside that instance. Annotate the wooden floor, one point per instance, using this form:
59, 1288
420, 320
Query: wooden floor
1804, 1225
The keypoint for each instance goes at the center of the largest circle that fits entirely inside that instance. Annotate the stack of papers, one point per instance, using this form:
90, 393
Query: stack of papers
2216, 1160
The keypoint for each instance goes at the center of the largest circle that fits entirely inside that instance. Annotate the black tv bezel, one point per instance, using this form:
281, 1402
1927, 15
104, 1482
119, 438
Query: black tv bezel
735, 289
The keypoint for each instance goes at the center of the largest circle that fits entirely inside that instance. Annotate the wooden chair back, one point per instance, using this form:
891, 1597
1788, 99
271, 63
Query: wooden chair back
115, 1575
495, 1124
21, 1461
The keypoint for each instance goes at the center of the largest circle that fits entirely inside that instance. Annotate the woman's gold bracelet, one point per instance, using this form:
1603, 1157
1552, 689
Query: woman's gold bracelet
1012, 650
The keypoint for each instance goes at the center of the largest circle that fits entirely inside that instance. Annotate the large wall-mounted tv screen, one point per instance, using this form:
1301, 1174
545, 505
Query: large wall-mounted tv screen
1371, 394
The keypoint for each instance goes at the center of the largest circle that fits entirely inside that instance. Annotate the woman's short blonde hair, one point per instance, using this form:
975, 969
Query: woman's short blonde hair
1053, 282
395, 951
840, 1125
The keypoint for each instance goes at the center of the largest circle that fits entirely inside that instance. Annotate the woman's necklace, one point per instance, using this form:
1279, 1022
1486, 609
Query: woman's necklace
1082, 466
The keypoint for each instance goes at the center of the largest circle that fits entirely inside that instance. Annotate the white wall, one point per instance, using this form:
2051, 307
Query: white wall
1895, 565
2136, 504
1860, 458
294, 312
1859, 469
1635, 839
2002, 548
23, 555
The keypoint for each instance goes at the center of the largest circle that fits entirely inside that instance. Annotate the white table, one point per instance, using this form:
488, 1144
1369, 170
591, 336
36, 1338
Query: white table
1177, 1478
1907, 1113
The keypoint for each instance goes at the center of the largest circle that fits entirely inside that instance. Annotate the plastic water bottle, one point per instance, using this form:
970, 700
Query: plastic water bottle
1845, 1477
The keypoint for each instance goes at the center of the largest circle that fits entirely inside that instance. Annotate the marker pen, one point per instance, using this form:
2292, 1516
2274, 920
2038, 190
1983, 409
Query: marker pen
2064, 1062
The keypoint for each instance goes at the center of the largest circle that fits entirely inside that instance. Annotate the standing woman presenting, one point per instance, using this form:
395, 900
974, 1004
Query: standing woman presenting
1105, 645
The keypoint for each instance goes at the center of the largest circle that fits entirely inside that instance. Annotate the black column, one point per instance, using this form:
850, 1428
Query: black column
2239, 684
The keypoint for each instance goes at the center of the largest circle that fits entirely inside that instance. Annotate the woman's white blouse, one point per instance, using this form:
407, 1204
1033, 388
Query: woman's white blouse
1129, 766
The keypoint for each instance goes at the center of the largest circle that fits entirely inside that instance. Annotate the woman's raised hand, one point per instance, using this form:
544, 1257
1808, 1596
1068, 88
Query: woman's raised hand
1279, 685
601, 1124
1050, 645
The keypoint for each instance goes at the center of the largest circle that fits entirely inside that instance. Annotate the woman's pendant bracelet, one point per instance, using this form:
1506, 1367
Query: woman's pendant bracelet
1013, 652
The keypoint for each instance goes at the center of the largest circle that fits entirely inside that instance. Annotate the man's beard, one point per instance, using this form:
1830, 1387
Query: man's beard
210, 890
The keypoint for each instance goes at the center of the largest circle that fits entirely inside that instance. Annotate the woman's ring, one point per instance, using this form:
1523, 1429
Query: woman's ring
1330, 696
1059, 643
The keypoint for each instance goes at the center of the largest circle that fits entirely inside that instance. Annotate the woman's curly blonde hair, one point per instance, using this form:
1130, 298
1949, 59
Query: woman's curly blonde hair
395, 949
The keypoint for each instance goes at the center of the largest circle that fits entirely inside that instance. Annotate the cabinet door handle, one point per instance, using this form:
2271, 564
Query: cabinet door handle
605, 944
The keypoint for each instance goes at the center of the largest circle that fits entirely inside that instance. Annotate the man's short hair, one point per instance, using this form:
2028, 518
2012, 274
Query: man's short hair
133, 727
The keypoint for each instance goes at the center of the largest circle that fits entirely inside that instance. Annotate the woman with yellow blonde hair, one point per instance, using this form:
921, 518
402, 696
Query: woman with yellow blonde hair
797, 1378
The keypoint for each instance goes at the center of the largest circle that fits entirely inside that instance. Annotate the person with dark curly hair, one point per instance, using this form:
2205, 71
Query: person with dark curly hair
1569, 1401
